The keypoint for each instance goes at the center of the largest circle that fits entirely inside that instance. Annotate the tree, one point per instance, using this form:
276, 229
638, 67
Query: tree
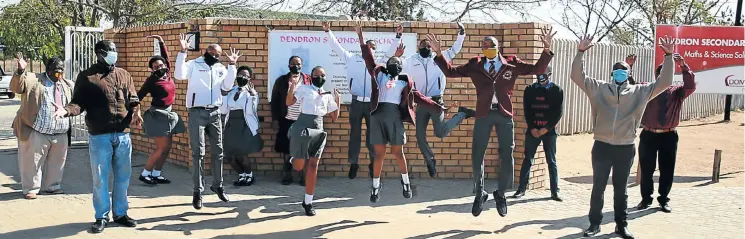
32, 27
597, 18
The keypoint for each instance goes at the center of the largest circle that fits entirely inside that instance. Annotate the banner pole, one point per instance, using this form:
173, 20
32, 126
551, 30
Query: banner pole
728, 98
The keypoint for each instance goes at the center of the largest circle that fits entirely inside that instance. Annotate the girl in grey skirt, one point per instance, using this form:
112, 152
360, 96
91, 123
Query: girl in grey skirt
241, 121
160, 122
307, 138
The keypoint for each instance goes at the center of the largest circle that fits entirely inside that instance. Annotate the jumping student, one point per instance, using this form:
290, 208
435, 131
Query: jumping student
307, 137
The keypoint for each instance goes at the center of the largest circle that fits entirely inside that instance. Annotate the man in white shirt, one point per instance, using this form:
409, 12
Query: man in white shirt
430, 81
358, 80
209, 80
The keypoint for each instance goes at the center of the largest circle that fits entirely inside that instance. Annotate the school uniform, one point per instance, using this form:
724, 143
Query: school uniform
283, 114
307, 137
241, 134
160, 119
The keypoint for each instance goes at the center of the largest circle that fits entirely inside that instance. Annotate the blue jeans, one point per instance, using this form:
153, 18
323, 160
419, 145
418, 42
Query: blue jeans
549, 148
107, 152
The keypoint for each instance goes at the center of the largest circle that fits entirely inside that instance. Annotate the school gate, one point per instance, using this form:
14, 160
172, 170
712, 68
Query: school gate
79, 55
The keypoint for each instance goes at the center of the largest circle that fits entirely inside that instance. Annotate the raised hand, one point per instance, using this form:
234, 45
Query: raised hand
586, 43
667, 44
184, 41
399, 29
400, 50
461, 29
326, 26
679, 60
358, 27
434, 42
251, 89
233, 55
631, 59
160, 39
21, 63
136, 119
547, 37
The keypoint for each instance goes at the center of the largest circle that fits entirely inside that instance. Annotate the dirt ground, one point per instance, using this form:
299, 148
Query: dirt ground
698, 140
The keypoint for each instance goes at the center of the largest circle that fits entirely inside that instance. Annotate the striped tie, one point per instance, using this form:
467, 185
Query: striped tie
492, 70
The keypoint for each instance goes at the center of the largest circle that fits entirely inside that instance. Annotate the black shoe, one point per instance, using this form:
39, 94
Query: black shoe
501, 204
624, 232
99, 225
478, 203
301, 174
149, 180
241, 181
469, 112
125, 221
220, 193
287, 174
353, 170
309, 209
644, 205
665, 207
250, 180
432, 168
518, 194
197, 200
592, 230
555, 197
407, 189
162, 180
375, 194
370, 169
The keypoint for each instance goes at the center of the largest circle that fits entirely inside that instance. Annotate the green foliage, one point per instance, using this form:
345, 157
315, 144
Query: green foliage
34, 28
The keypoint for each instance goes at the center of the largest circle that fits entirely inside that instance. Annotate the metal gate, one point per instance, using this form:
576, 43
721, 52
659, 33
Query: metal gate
79, 55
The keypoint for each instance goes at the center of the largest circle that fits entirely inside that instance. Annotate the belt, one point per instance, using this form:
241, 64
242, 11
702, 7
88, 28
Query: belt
495, 106
436, 97
361, 98
205, 107
659, 130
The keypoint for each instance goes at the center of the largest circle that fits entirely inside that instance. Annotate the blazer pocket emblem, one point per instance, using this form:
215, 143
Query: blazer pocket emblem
507, 75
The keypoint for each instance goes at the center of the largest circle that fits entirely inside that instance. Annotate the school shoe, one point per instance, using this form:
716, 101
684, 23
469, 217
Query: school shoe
125, 221
432, 168
162, 180
250, 180
149, 180
518, 194
197, 200
99, 225
241, 181
469, 112
287, 171
624, 232
665, 207
220, 191
555, 196
593, 230
407, 189
644, 204
478, 203
353, 170
501, 203
375, 194
309, 211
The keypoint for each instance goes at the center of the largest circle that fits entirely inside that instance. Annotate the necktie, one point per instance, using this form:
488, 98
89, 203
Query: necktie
492, 70
58, 94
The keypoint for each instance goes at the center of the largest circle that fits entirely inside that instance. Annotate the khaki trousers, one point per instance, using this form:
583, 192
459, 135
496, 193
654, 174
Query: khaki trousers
42, 152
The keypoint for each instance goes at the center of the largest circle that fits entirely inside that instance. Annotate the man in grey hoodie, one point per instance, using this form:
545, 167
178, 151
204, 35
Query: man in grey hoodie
617, 109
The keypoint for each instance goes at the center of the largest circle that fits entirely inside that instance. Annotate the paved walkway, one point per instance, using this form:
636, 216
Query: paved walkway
439, 209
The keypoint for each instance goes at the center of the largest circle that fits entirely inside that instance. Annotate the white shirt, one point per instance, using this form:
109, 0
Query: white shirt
205, 82
245, 102
427, 76
293, 111
497, 66
393, 94
315, 101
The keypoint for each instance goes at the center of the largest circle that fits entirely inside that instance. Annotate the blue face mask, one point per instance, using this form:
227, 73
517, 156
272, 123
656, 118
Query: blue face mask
111, 57
620, 75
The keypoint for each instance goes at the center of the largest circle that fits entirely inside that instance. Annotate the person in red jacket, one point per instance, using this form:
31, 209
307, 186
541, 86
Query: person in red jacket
494, 77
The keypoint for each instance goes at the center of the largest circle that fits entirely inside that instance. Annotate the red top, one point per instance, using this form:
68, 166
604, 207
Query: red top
163, 90
663, 112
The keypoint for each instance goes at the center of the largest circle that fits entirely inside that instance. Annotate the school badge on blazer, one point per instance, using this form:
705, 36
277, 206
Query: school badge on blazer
507, 75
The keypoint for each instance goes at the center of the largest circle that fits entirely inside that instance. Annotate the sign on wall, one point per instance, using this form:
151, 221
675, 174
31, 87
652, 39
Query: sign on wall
314, 49
714, 54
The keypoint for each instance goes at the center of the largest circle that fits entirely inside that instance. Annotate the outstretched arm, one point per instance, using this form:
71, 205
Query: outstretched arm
450, 54
689, 83
586, 83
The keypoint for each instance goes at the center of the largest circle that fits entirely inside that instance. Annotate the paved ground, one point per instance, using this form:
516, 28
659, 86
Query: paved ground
440, 209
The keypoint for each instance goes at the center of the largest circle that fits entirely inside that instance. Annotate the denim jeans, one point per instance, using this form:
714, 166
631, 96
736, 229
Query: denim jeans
112, 151
549, 148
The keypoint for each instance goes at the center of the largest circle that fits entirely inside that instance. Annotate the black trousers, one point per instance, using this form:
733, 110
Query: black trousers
604, 158
653, 148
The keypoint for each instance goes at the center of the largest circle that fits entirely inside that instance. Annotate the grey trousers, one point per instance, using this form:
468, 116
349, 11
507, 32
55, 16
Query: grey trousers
42, 155
357, 111
604, 158
506, 136
205, 121
442, 128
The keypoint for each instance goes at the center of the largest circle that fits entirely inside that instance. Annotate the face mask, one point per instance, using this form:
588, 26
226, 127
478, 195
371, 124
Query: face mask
425, 52
210, 59
160, 73
620, 75
393, 69
111, 57
295, 69
542, 78
490, 53
241, 80
55, 76
318, 81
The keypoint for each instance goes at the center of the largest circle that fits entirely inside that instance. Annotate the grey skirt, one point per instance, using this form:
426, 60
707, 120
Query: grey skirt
237, 139
386, 126
307, 138
161, 121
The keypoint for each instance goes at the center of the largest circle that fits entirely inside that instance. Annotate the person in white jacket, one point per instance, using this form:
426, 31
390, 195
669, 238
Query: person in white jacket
208, 81
430, 81
358, 80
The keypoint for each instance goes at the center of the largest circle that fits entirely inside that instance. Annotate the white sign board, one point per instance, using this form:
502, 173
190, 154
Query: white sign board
156, 47
313, 48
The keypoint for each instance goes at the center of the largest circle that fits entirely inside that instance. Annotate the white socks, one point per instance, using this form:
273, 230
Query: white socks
405, 177
308, 199
376, 182
156, 173
146, 173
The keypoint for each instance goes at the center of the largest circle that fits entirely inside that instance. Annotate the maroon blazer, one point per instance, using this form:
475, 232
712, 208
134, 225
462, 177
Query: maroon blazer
512, 67
408, 96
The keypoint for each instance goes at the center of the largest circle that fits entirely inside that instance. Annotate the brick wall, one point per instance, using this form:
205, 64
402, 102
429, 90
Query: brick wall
251, 37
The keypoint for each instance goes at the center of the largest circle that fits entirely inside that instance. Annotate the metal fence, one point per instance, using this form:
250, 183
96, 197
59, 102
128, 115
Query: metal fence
80, 55
598, 62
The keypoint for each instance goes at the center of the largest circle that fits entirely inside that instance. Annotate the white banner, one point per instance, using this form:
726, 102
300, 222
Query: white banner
313, 48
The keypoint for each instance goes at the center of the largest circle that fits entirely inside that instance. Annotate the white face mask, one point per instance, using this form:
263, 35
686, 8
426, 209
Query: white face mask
111, 57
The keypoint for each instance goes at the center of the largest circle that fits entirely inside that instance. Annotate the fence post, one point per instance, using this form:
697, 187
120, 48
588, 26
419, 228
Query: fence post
717, 164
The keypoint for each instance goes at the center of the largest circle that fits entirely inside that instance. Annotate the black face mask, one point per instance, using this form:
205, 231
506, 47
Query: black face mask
160, 73
241, 80
210, 59
425, 52
542, 78
393, 69
295, 69
318, 81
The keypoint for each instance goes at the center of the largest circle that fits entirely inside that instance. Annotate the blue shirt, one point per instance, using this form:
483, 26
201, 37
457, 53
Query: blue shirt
393, 94
538, 84
497, 64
